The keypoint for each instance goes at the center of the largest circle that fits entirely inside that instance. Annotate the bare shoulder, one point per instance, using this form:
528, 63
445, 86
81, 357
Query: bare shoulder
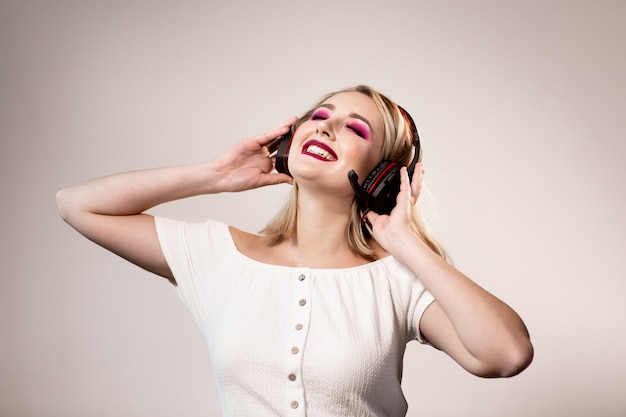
255, 247
243, 239
251, 245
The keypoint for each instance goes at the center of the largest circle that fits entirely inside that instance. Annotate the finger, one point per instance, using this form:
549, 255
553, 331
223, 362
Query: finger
272, 157
404, 178
270, 136
371, 217
273, 145
405, 185
416, 183
276, 178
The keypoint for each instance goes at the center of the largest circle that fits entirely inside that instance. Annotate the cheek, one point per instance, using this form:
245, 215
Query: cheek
371, 164
297, 140
365, 157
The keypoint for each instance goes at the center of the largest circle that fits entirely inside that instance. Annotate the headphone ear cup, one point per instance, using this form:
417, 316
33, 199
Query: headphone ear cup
380, 189
282, 153
382, 186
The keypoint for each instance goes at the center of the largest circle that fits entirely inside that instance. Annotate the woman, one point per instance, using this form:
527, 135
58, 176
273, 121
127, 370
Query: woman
312, 316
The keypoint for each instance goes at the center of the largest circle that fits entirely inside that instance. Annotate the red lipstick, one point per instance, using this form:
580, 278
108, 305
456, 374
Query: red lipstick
319, 150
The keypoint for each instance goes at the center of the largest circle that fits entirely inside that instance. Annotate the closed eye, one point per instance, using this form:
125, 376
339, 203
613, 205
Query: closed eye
355, 130
359, 129
320, 114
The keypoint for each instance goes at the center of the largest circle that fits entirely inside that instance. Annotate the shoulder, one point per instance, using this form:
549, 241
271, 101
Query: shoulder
244, 240
210, 229
257, 248
252, 246
193, 239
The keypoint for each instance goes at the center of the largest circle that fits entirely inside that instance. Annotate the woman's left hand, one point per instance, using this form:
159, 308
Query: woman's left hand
388, 229
499, 345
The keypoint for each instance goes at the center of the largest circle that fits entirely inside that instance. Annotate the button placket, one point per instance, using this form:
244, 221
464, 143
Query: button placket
294, 351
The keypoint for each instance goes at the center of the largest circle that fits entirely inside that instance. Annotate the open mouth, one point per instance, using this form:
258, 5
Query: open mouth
319, 150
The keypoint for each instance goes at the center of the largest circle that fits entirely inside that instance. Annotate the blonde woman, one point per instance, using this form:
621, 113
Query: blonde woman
312, 316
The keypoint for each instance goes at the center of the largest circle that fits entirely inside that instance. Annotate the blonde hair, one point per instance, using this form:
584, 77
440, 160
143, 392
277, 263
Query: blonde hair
397, 147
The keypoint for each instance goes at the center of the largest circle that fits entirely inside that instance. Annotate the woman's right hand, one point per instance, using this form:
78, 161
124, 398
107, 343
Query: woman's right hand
249, 164
110, 210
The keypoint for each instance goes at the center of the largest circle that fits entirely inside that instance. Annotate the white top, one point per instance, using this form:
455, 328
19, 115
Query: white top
296, 341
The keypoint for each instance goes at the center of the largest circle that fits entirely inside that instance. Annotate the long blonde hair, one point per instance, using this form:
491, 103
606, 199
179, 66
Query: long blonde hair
397, 147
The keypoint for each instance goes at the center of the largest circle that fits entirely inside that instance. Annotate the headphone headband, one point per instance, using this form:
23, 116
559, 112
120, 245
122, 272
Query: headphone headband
415, 140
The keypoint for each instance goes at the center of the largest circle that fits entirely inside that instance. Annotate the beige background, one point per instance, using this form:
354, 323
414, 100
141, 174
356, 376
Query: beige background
520, 105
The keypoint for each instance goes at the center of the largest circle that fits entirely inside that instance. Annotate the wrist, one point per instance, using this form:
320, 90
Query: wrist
406, 245
210, 178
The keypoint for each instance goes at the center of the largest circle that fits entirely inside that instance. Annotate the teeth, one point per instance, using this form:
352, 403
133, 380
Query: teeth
320, 152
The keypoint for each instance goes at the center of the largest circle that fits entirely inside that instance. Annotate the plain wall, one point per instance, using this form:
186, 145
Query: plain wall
520, 106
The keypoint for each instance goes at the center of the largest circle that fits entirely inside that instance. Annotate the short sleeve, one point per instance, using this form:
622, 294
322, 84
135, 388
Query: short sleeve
423, 302
413, 297
194, 253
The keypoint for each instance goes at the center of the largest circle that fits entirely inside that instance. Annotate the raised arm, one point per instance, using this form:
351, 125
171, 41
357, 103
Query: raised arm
110, 210
480, 332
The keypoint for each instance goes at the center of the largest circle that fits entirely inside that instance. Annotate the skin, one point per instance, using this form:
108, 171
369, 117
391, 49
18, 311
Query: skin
325, 195
480, 332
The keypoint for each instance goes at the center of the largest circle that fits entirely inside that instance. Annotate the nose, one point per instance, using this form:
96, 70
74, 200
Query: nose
324, 129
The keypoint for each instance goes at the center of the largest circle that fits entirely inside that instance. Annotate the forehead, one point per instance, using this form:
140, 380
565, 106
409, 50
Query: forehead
354, 102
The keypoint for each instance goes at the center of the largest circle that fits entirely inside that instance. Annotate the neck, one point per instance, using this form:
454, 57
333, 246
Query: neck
320, 239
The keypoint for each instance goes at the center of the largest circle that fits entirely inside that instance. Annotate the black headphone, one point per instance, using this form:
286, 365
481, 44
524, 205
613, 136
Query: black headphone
381, 187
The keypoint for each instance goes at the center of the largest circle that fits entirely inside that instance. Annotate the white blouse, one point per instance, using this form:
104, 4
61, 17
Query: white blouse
296, 341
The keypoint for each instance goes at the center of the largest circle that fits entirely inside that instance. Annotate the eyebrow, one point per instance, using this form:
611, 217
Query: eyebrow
354, 115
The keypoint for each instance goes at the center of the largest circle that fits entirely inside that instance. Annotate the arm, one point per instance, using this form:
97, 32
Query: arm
109, 210
480, 332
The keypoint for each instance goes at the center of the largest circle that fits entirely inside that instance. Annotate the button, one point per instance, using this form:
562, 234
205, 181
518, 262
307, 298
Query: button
292, 377
294, 404
302, 302
295, 350
299, 326
301, 277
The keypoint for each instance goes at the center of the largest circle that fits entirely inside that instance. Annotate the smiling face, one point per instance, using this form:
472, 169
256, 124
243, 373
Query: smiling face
345, 132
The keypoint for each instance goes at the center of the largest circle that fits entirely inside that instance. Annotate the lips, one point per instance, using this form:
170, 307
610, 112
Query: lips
319, 150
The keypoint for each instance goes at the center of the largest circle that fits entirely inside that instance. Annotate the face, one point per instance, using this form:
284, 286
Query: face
345, 132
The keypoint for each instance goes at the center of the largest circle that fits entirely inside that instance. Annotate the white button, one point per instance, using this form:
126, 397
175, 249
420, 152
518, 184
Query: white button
299, 326
295, 350
294, 404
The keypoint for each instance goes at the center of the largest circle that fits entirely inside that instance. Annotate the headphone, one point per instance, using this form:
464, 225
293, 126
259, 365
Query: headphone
381, 186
